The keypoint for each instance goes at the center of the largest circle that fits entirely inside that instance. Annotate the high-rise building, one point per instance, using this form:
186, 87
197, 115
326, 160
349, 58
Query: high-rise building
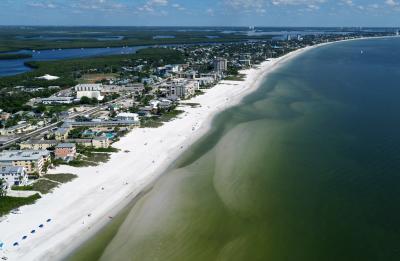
220, 64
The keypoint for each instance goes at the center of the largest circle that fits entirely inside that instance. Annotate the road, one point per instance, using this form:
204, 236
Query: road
54, 125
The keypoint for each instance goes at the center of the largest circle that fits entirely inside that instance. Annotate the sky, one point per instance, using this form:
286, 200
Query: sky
378, 13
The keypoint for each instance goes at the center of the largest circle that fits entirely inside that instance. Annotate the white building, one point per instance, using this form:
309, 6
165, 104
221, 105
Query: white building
126, 116
182, 88
57, 100
220, 65
13, 176
205, 81
89, 90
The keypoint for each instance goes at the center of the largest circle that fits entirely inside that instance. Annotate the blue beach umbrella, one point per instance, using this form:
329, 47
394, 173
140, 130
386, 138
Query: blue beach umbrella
15, 244
24, 237
33, 231
1, 245
48, 220
41, 225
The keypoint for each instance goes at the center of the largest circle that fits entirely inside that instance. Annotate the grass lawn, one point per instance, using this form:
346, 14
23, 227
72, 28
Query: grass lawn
44, 186
95, 77
239, 77
191, 104
62, 178
9, 203
156, 122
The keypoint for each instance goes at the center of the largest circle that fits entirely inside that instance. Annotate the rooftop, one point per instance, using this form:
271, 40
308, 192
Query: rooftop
40, 142
4, 170
13, 155
65, 145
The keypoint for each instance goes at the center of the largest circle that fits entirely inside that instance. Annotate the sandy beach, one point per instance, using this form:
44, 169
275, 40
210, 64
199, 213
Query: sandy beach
78, 209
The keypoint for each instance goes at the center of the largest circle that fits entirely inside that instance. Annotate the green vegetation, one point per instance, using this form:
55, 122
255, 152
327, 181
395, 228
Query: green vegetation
191, 104
22, 188
85, 150
12, 56
97, 77
89, 101
77, 163
239, 77
76, 133
47, 183
39, 38
198, 93
3, 192
15, 101
44, 186
9, 203
70, 71
61, 178
97, 157
89, 157
157, 121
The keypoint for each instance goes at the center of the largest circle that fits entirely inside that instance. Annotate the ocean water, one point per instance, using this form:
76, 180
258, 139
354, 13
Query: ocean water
305, 168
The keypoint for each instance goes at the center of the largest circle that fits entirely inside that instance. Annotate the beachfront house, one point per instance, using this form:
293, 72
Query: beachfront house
13, 176
33, 161
65, 151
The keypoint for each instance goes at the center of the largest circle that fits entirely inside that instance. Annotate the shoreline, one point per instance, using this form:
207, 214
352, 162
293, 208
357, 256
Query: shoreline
152, 151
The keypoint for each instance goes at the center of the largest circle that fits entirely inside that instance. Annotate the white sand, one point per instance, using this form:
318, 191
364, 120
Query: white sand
151, 151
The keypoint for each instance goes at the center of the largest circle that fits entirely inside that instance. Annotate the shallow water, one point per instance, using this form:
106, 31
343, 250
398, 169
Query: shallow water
306, 168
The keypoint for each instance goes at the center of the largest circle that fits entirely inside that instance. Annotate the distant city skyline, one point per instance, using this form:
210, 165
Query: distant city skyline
379, 13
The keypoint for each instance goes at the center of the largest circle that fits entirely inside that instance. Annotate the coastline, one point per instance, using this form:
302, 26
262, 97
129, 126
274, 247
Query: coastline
151, 151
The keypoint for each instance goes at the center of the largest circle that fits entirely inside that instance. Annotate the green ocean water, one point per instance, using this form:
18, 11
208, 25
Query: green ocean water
305, 168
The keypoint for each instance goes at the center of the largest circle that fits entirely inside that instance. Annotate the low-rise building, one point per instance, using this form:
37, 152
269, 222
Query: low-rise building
165, 104
126, 116
102, 125
32, 160
65, 151
17, 129
133, 87
100, 142
13, 176
89, 90
96, 142
61, 133
38, 144
57, 100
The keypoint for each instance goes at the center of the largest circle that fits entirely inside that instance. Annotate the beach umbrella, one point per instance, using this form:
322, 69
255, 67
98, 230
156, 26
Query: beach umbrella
24, 237
41, 225
15, 244
48, 220
33, 231
1, 245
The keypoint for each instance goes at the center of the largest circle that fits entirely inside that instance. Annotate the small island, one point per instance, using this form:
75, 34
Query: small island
14, 56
